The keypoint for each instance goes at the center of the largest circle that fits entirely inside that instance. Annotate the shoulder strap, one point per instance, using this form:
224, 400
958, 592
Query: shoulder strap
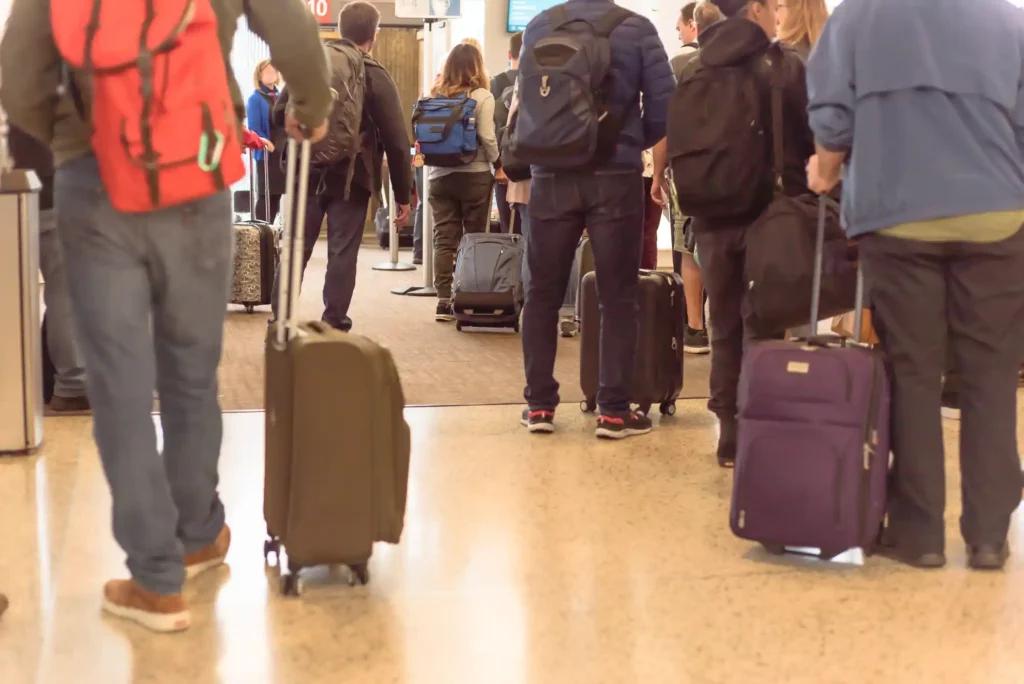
611, 21
777, 80
559, 17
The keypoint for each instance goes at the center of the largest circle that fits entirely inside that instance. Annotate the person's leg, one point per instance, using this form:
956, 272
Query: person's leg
986, 321
651, 222
523, 224
951, 388
106, 255
721, 253
69, 381
417, 230
446, 209
614, 204
190, 262
504, 209
345, 219
475, 197
315, 212
556, 224
696, 341
907, 281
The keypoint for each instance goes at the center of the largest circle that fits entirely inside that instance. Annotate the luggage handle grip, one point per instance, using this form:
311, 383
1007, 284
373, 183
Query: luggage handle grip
819, 258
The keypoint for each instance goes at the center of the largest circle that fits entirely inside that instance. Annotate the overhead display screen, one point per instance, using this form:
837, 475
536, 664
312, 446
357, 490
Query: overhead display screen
521, 12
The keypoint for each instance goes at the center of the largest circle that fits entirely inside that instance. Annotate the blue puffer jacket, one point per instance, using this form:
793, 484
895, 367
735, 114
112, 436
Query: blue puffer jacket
639, 65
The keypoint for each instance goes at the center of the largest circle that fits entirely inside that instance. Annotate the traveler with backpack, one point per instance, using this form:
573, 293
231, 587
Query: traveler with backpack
347, 166
460, 183
258, 109
502, 87
723, 170
801, 23
686, 27
586, 150
934, 193
149, 248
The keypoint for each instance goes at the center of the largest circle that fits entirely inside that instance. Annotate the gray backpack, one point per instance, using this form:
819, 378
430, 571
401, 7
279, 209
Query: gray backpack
348, 79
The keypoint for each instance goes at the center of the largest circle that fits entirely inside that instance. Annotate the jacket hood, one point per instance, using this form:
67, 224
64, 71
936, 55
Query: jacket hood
732, 41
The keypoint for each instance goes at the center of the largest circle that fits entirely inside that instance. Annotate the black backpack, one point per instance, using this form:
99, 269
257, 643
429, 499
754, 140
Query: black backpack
565, 81
501, 107
720, 136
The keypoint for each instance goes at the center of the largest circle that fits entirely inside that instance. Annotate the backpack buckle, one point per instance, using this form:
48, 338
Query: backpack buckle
545, 89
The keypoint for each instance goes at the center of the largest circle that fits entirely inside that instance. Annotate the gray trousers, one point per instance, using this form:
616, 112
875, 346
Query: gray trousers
928, 298
150, 295
69, 380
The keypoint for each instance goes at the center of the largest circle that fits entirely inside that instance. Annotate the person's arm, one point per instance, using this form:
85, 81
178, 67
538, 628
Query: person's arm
385, 110
291, 31
660, 154
657, 84
485, 130
831, 101
29, 90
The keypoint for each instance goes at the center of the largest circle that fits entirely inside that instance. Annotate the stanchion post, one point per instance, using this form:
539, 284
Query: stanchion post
392, 264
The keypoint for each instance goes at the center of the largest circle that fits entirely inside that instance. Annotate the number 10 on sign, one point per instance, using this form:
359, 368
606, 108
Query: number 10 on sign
319, 8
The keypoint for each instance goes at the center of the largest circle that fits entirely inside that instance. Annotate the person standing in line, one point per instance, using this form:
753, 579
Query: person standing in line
460, 196
149, 298
69, 391
500, 86
934, 192
258, 109
607, 199
342, 200
686, 27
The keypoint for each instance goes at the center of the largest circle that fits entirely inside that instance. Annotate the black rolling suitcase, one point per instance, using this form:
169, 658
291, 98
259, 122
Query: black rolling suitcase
256, 250
658, 374
487, 288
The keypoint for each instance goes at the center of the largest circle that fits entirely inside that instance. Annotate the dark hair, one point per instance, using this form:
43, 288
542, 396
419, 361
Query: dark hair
732, 8
358, 22
688, 11
515, 44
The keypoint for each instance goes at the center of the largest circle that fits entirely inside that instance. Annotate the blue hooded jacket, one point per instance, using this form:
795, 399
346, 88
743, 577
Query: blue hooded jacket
930, 98
639, 66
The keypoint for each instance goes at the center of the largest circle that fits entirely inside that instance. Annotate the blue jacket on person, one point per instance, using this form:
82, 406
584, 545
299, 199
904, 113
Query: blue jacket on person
257, 114
639, 66
931, 104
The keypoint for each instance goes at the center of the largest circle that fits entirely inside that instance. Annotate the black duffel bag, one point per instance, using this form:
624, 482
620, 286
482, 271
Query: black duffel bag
779, 265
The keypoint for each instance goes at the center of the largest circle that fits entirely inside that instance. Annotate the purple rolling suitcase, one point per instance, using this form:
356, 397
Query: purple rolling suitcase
813, 454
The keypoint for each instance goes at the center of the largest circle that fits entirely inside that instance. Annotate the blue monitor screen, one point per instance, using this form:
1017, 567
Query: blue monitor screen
522, 12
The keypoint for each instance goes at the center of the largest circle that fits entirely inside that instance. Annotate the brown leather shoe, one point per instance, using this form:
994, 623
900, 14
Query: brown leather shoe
210, 556
127, 599
70, 404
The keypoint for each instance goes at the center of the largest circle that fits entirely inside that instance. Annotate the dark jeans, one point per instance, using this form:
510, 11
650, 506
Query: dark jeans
506, 210
970, 297
610, 205
417, 230
345, 220
461, 203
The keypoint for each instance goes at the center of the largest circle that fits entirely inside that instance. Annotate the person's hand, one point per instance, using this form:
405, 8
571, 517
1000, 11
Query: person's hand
402, 215
818, 183
299, 132
267, 145
500, 177
658, 193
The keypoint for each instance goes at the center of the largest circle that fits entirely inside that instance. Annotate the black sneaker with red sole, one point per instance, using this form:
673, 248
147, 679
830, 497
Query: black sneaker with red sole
633, 425
541, 422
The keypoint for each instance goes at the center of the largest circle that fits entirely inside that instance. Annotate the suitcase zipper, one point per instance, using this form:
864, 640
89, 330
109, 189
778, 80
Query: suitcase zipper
869, 445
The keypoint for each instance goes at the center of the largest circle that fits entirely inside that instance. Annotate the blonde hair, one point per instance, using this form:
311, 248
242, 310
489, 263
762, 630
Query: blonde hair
256, 76
475, 43
463, 72
805, 20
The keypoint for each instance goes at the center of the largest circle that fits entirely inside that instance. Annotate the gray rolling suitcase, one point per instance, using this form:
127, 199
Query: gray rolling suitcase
256, 250
581, 266
337, 444
21, 388
487, 287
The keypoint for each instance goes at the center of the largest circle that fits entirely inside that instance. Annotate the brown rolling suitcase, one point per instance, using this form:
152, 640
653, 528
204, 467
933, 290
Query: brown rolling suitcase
337, 444
658, 373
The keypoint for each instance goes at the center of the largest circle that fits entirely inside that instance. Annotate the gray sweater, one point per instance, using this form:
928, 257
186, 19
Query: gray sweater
486, 136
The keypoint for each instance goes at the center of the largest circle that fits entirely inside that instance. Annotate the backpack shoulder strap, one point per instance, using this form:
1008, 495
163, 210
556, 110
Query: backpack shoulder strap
559, 17
777, 78
611, 20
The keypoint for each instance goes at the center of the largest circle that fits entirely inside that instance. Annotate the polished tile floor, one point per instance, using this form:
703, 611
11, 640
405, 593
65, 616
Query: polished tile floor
525, 560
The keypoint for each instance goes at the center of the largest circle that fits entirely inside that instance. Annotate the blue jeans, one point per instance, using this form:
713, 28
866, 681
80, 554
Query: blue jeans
149, 296
69, 376
345, 219
610, 205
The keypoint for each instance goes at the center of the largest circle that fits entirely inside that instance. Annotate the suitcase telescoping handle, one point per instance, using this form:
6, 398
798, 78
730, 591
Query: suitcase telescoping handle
292, 238
819, 259
252, 183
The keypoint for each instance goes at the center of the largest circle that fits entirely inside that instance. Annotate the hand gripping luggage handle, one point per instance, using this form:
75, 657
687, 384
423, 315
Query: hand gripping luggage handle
292, 247
819, 258
252, 183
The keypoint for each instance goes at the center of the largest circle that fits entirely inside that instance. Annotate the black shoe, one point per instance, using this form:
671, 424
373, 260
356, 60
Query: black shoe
542, 422
988, 556
727, 444
70, 404
696, 341
610, 427
951, 406
930, 560
417, 261
444, 311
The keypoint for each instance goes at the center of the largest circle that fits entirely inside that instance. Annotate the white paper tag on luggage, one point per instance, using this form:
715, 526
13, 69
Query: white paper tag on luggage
800, 367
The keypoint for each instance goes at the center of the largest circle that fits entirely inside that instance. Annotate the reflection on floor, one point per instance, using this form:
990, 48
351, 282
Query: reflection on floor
525, 560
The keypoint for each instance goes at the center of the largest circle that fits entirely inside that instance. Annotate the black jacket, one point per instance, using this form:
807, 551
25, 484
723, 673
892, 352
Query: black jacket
736, 40
29, 153
501, 82
387, 133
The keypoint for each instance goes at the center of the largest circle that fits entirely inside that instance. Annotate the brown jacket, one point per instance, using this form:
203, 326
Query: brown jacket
31, 92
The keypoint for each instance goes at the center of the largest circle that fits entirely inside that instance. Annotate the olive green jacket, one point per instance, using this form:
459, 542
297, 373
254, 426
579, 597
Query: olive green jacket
31, 92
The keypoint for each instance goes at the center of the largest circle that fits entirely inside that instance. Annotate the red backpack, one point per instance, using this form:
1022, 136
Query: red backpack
164, 127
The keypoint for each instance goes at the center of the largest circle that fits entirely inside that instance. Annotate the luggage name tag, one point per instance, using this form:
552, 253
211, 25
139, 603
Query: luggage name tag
798, 367
418, 160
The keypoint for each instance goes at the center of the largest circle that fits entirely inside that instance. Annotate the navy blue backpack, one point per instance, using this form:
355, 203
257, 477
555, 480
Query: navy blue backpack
565, 121
445, 130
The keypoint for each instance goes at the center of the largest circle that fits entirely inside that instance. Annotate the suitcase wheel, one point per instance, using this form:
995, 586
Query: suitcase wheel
668, 408
249, 308
360, 574
775, 549
458, 326
290, 584
588, 406
271, 547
